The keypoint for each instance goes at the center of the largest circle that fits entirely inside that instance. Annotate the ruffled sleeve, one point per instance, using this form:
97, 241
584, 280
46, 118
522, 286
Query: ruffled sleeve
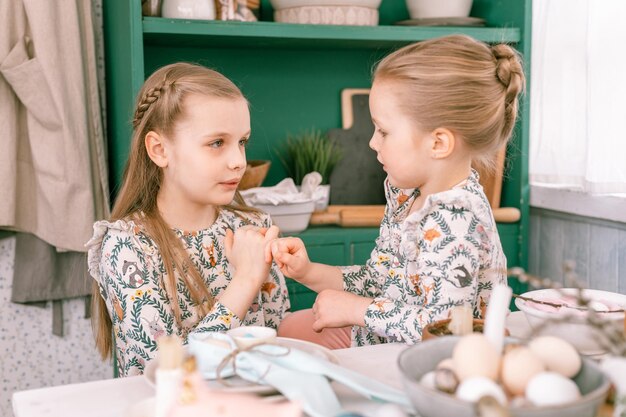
94, 245
120, 260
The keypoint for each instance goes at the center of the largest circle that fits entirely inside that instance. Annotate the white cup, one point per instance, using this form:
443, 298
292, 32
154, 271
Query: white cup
248, 336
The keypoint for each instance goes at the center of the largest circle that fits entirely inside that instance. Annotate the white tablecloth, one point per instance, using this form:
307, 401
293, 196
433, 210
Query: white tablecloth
113, 397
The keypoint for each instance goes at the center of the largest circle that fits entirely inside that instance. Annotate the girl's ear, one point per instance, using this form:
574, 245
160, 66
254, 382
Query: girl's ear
155, 147
443, 143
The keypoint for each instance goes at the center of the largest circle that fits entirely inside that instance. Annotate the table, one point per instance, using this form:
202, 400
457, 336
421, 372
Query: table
113, 397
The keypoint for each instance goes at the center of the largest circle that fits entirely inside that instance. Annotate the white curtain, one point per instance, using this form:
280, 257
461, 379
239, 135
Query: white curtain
578, 95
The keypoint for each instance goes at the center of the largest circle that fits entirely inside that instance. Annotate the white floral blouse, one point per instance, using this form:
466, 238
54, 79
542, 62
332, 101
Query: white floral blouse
129, 269
445, 254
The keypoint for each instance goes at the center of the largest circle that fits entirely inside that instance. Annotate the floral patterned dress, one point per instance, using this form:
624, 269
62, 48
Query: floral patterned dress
128, 267
447, 253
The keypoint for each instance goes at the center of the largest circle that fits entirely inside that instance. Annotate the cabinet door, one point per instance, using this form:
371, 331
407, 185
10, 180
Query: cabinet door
360, 252
332, 254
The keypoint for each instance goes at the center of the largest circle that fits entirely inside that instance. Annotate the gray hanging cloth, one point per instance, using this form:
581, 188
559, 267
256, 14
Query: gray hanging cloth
43, 274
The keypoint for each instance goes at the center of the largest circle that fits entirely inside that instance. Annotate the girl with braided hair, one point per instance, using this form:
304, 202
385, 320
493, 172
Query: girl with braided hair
437, 106
182, 253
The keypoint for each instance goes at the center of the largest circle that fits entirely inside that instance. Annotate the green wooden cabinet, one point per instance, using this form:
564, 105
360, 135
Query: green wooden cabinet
293, 75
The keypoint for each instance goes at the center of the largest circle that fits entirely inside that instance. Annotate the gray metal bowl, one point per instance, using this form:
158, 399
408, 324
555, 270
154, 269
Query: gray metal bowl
419, 359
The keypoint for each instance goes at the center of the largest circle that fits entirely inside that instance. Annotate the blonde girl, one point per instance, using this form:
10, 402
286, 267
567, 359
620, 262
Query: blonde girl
168, 262
437, 106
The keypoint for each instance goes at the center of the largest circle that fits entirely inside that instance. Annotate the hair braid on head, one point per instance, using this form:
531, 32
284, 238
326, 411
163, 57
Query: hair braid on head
509, 71
511, 75
148, 98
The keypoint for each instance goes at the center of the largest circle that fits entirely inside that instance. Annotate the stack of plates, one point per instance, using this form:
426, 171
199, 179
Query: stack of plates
444, 21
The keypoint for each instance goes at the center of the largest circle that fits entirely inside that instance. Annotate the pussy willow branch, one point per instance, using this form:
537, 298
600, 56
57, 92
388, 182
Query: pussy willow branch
611, 335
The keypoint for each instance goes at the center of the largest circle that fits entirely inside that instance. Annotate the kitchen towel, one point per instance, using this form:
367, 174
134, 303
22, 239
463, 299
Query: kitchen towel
298, 375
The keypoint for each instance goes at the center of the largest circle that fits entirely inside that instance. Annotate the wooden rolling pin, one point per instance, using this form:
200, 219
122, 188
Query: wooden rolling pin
349, 216
507, 214
363, 216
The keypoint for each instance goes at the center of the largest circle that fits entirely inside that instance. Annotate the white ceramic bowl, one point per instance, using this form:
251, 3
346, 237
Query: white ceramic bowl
424, 9
419, 359
286, 4
574, 328
290, 218
327, 12
321, 196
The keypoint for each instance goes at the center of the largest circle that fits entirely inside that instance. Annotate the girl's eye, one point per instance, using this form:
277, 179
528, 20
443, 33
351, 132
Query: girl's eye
216, 143
244, 142
382, 133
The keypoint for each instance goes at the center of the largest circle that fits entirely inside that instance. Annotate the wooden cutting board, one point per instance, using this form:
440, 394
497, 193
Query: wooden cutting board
492, 181
358, 177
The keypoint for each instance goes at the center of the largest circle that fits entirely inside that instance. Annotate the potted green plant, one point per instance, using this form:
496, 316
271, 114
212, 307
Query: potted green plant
308, 151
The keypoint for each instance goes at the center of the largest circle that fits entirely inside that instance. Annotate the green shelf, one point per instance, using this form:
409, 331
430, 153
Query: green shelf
224, 34
293, 75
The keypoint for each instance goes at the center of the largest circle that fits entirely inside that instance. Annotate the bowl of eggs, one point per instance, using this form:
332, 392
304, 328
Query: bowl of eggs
455, 376
557, 312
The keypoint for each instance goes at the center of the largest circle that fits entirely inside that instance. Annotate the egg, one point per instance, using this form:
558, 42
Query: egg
519, 365
557, 355
446, 380
447, 363
521, 401
428, 380
475, 356
550, 388
473, 389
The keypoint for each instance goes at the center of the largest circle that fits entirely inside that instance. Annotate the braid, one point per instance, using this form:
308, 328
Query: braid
511, 75
508, 71
148, 98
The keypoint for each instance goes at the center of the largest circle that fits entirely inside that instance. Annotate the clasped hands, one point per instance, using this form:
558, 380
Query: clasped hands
249, 246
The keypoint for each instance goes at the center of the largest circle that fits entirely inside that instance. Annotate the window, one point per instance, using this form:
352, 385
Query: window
578, 97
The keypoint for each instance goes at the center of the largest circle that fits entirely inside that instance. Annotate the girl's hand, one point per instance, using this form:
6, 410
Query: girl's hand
290, 255
334, 308
245, 250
